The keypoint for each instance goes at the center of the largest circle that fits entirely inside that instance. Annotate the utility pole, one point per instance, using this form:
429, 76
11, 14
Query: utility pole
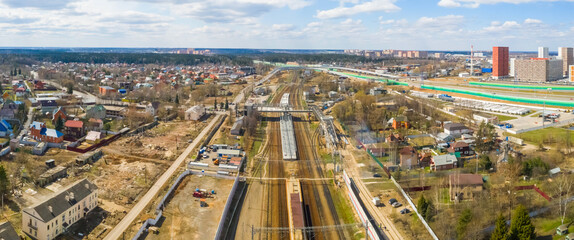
544, 108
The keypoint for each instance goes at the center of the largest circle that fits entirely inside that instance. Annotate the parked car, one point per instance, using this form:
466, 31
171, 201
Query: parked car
397, 204
392, 200
377, 175
405, 211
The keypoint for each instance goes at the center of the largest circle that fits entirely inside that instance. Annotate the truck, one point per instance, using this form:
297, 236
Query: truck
377, 201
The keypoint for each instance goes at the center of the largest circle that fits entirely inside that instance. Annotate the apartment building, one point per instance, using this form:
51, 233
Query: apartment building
567, 56
538, 69
500, 62
50, 218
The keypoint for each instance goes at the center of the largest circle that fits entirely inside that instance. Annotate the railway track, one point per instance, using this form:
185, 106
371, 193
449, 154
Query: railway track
318, 204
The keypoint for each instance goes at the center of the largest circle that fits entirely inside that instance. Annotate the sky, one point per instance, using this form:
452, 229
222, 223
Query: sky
522, 25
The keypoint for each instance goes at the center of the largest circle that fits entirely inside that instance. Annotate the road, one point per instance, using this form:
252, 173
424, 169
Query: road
27, 123
380, 216
119, 229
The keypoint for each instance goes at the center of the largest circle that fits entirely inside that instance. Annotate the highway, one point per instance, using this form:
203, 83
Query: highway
125, 223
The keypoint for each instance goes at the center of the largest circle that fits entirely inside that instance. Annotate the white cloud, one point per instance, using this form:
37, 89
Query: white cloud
477, 3
362, 7
39, 4
532, 21
505, 27
282, 27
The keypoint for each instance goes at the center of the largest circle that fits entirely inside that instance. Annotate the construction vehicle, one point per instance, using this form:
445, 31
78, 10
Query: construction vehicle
216, 162
200, 194
202, 203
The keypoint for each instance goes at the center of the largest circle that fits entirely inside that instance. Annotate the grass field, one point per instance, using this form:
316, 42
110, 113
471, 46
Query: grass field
549, 135
503, 118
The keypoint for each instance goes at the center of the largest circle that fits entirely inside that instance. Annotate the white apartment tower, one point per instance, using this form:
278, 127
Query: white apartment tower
543, 52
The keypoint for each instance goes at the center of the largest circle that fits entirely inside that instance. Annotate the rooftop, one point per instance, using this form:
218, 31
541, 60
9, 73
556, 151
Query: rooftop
62, 200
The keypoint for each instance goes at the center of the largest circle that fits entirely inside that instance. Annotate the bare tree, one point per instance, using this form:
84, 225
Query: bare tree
562, 189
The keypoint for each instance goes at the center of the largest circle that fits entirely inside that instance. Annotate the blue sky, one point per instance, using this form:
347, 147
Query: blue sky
523, 25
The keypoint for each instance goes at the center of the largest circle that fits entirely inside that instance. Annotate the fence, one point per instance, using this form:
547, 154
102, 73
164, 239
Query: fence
373, 231
97, 145
144, 128
530, 187
557, 124
160, 206
405, 195
237, 192
504, 98
530, 87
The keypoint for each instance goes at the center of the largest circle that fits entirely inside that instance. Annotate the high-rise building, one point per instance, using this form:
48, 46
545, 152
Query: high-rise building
538, 69
512, 67
567, 56
571, 73
543, 52
499, 62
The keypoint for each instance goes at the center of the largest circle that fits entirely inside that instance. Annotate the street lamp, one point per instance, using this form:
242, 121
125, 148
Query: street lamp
544, 108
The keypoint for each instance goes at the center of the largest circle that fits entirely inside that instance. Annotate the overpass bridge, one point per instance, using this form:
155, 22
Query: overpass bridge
279, 109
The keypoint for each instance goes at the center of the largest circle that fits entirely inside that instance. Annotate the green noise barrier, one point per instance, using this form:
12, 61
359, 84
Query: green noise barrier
531, 87
505, 98
388, 81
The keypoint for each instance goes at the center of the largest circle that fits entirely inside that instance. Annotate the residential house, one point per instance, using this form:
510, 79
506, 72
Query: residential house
443, 162
48, 219
464, 186
39, 132
107, 90
408, 157
74, 128
152, 108
194, 113
39, 85
94, 136
376, 151
425, 159
6, 129
400, 122
377, 91
96, 111
395, 138
456, 129
7, 231
444, 137
9, 110
48, 106
59, 113
94, 124
113, 111
461, 147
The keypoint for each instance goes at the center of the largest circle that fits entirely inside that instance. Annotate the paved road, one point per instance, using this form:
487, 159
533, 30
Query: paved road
27, 123
380, 216
116, 233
